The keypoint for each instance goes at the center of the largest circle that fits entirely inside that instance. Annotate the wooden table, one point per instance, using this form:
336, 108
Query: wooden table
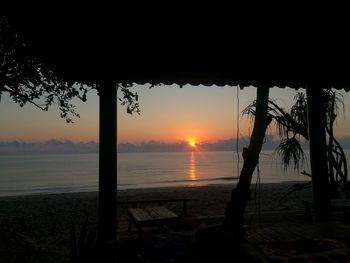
159, 202
150, 216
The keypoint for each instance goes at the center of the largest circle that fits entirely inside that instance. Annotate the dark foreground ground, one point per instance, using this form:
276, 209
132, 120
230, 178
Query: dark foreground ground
38, 228
276, 236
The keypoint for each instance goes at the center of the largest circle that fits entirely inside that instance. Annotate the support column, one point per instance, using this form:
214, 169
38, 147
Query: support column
318, 152
107, 200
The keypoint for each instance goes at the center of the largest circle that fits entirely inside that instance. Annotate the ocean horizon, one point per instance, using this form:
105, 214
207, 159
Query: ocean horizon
67, 173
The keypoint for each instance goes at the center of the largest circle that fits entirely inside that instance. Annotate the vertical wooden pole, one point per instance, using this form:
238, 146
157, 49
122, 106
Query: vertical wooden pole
318, 152
107, 203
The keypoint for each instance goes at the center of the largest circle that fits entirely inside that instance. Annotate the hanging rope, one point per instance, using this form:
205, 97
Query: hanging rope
257, 193
237, 133
258, 182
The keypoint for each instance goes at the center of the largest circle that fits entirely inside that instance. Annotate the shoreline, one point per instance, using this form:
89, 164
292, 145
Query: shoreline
206, 200
211, 200
151, 188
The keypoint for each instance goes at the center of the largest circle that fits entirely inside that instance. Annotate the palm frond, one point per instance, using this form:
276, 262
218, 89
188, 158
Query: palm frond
299, 111
333, 103
291, 151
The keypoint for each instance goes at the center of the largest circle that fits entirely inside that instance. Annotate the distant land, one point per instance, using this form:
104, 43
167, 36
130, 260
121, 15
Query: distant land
52, 146
55, 146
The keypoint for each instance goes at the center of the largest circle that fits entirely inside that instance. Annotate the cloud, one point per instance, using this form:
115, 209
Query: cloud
49, 147
55, 146
153, 146
221, 145
344, 142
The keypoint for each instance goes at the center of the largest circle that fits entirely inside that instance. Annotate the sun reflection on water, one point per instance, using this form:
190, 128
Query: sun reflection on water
192, 169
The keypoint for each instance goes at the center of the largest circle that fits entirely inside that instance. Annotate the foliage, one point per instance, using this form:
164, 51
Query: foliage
293, 125
129, 99
27, 80
291, 150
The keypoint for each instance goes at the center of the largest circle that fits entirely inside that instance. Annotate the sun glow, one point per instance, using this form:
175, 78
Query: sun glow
192, 143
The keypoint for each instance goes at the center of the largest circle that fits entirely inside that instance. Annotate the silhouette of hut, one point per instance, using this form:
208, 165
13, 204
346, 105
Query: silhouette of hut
119, 44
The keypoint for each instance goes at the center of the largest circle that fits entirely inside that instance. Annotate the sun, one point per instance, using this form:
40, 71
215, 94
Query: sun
192, 143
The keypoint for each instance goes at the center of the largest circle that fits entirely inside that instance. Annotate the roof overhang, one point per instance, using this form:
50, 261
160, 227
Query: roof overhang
188, 48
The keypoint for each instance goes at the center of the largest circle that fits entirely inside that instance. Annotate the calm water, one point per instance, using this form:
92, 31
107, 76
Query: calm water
33, 174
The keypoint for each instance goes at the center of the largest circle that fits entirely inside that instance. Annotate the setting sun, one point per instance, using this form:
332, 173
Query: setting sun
192, 143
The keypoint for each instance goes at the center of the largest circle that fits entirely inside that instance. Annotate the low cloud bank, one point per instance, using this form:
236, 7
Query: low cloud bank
55, 146
270, 143
52, 146
221, 145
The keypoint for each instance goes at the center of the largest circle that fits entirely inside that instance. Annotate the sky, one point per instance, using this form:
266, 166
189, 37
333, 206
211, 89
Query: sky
169, 115
200, 113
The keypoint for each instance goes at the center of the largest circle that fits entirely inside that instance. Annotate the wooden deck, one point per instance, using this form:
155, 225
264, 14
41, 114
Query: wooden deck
293, 237
288, 236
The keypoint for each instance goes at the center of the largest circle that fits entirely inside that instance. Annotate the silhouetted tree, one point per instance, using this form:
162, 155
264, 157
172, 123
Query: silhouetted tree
293, 127
27, 80
234, 215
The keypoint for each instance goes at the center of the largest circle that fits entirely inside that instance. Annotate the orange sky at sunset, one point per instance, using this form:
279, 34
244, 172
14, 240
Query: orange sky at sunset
168, 114
204, 114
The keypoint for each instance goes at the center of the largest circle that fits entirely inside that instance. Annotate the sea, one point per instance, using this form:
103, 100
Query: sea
67, 173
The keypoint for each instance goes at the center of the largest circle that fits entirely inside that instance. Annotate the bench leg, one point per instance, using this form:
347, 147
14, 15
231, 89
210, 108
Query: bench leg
130, 223
308, 207
346, 215
139, 232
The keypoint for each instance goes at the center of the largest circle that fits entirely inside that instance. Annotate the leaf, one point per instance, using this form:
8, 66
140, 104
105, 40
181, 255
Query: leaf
291, 151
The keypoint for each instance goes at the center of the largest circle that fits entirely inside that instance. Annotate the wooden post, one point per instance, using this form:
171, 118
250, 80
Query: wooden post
107, 202
318, 152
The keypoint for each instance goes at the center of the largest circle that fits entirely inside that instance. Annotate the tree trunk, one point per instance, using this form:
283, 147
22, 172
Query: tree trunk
234, 216
318, 152
107, 203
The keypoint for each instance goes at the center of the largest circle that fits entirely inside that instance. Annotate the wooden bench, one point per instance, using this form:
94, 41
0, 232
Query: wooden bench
159, 202
342, 205
150, 216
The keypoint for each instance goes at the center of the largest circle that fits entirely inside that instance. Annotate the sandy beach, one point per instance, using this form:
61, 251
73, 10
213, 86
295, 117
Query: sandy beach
37, 228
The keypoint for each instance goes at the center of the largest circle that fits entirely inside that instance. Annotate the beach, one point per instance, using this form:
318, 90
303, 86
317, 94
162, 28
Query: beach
36, 228
212, 200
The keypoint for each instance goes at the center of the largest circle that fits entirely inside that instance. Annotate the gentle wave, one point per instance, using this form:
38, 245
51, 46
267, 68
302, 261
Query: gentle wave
189, 180
61, 173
